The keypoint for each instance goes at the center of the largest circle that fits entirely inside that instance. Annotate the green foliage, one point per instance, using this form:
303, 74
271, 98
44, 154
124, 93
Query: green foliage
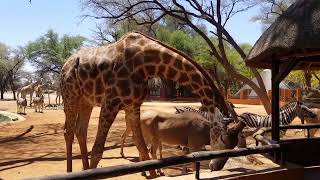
182, 41
11, 61
270, 10
49, 52
236, 60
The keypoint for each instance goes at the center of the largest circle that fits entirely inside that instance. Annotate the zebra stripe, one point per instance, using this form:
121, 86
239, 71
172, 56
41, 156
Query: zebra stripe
183, 109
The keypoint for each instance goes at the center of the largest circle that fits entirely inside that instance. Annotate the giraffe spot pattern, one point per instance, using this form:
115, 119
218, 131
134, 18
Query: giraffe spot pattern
115, 102
136, 78
196, 78
137, 60
94, 72
208, 92
88, 86
99, 86
178, 64
161, 70
123, 86
151, 56
129, 52
183, 78
201, 92
127, 101
103, 66
171, 73
123, 72
188, 67
150, 70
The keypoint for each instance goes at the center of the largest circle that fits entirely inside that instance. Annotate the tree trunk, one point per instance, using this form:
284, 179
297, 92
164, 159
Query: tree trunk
307, 78
2, 94
260, 91
14, 94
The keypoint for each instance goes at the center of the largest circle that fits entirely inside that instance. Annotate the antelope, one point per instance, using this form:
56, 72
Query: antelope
187, 129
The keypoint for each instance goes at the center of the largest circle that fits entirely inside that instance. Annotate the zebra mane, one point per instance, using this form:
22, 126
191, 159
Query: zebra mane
183, 109
288, 104
206, 115
285, 115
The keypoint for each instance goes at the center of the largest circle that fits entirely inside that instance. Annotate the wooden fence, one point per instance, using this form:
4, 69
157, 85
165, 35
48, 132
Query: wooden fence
243, 98
121, 170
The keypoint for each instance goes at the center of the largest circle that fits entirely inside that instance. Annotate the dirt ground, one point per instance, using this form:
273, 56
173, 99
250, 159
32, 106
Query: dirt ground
36, 147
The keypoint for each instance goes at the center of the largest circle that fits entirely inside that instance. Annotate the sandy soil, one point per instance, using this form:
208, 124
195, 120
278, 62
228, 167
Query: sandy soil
36, 147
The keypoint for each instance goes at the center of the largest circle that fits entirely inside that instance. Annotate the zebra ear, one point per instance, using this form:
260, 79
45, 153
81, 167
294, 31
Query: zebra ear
299, 102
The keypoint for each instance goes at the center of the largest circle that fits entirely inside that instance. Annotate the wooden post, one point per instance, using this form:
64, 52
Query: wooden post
243, 94
197, 176
299, 94
275, 101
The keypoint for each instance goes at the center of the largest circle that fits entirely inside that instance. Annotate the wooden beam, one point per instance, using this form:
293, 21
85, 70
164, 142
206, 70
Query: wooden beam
285, 69
275, 101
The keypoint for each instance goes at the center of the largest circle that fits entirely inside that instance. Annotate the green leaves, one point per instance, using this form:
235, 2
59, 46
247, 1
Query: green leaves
49, 52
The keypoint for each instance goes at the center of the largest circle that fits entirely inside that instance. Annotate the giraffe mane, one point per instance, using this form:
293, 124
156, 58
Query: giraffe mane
203, 72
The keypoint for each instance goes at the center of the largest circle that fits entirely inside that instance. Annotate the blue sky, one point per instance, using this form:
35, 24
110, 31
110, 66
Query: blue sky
22, 22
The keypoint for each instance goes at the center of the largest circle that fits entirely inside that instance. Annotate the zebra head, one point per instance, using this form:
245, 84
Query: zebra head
303, 111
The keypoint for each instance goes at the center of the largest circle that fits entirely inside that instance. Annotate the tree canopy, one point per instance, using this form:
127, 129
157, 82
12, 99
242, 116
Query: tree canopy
49, 52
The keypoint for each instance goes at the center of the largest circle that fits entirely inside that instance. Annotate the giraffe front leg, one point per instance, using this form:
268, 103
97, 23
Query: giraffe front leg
81, 133
108, 113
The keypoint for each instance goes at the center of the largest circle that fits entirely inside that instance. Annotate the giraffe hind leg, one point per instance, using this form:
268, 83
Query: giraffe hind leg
133, 119
69, 127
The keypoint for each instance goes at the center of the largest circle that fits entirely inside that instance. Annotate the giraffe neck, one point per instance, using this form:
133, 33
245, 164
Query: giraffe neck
219, 98
156, 60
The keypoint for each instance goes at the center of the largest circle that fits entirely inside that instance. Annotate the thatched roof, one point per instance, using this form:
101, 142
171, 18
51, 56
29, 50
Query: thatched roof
295, 34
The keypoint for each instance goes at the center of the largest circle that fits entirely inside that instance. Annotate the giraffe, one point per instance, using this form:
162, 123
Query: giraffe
114, 77
29, 89
58, 96
39, 90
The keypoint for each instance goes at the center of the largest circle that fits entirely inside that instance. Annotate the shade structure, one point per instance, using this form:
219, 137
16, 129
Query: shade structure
295, 35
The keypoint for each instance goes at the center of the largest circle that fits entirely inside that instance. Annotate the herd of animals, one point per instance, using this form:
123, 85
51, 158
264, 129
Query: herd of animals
115, 77
36, 88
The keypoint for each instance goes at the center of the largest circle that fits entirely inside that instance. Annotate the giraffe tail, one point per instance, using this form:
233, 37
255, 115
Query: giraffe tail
76, 72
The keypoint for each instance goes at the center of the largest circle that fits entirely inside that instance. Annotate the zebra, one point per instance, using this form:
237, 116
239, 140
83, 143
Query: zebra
287, 113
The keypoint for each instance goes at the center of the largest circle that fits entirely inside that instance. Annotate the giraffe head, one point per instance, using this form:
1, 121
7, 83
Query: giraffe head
227, 139
219, 130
